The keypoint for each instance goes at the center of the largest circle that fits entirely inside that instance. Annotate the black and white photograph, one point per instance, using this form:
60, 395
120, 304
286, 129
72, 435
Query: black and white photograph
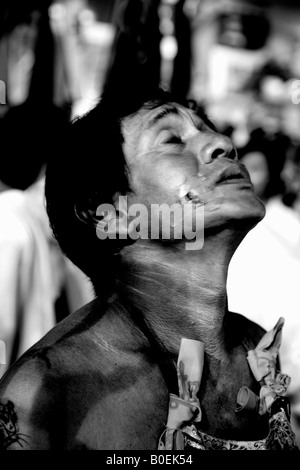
150, 228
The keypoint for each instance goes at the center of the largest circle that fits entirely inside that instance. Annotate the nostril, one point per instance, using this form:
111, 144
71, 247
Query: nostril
231, 154
219, 152
216, 147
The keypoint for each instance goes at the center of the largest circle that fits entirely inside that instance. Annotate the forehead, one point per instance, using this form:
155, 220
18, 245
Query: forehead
147, 119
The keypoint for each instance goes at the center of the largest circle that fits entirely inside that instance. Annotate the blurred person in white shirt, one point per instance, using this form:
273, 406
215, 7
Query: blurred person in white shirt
264, 273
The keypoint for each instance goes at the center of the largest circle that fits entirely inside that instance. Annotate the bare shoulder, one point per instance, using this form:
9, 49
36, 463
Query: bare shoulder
32, 390
27, 400
71, 390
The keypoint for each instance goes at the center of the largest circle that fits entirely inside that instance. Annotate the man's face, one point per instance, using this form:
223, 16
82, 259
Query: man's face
174, 156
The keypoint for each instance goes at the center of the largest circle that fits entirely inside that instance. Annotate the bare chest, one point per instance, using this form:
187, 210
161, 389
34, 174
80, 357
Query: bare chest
126, 412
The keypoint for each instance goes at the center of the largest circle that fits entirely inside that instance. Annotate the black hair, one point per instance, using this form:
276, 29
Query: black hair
30, 130
29, 136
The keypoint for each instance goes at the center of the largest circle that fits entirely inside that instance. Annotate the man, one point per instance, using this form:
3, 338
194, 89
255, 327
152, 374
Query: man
101, 379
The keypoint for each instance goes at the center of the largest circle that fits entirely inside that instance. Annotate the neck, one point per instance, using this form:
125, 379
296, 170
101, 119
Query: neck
178, 293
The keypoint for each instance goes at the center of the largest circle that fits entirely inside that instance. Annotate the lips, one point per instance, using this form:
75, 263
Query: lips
234, 173
231, 175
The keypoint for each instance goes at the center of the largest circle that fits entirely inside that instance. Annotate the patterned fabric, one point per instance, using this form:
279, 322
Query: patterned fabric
186, 407
281, 435
199, 440
262, 362
184, 410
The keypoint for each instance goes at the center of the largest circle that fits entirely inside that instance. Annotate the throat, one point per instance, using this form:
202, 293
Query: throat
175, 298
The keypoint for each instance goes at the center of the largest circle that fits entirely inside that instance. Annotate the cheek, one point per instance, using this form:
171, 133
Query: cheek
158, 178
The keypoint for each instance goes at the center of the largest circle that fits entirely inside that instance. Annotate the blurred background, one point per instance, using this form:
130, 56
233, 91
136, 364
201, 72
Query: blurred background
239, 59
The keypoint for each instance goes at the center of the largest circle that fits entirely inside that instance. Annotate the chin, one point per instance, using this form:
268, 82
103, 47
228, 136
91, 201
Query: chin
243, 213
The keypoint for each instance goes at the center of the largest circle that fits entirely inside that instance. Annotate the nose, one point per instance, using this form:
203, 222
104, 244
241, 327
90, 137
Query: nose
222, 146
213, 146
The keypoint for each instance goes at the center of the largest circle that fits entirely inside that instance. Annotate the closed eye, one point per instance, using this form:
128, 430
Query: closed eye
174, 140
167, 137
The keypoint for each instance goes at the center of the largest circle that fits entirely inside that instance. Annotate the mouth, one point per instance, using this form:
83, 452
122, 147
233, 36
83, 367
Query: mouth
231, 175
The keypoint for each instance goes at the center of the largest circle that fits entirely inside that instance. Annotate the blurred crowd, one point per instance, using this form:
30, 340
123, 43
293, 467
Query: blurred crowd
39, 286
54, 58
264, 272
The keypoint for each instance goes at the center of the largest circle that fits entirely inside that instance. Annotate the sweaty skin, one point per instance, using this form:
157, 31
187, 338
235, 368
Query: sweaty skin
101, 378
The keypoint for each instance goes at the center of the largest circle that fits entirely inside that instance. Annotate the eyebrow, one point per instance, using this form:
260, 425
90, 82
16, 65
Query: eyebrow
170, 109
199, 111
165, 111
203, 116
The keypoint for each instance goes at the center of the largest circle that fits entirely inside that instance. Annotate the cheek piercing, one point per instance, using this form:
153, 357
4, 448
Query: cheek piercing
183, 190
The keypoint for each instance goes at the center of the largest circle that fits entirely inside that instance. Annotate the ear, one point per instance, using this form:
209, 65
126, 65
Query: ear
109, 220
86, 214
103, 219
